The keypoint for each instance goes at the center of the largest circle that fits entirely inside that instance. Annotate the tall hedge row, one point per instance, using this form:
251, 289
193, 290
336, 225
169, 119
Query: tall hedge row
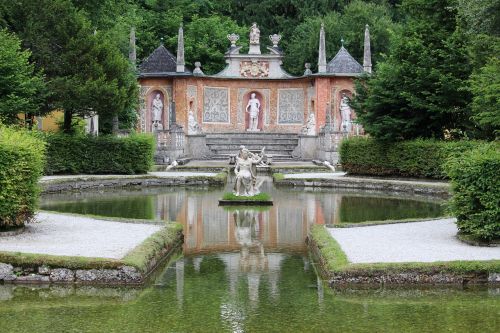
21, 166
475, 178
84, 154
415, 158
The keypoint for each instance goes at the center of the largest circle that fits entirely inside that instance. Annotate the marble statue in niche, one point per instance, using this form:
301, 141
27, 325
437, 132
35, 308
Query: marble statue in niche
253, 110
345, 113
310, 127
157, 111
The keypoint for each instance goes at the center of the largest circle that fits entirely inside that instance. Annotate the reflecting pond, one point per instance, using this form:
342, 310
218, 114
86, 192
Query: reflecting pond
220, 293
209, 228
245, 270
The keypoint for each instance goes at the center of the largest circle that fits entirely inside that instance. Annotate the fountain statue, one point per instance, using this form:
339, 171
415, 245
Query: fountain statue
246, 173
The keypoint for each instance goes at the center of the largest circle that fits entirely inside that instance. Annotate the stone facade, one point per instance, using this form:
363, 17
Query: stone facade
218, 102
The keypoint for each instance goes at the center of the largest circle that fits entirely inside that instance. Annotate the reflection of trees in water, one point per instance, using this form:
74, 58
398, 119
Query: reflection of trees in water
359, 209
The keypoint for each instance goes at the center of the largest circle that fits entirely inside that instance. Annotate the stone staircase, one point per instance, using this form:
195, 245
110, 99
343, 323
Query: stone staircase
279, 145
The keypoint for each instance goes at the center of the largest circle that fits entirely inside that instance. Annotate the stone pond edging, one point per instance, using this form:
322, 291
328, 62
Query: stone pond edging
402, 186
121, 275
374, 274
92, 182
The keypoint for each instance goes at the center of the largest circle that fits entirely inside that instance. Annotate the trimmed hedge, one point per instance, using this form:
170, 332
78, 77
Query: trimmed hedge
21, 164
476, 192
416, 158
86, 154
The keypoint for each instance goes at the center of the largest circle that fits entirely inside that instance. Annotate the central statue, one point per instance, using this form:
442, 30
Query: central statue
254, 34
246, 173
253, 108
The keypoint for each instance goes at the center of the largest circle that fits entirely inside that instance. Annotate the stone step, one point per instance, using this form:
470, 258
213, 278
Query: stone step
251, 135
256, 146
280, 145
267, 150
247, 141
276, 157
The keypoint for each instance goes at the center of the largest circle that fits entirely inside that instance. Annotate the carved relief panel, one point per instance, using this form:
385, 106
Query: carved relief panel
216, 105
290, 106
243, 94
254, 69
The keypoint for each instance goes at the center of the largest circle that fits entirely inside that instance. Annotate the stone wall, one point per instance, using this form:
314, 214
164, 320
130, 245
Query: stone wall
399, 186
144, 181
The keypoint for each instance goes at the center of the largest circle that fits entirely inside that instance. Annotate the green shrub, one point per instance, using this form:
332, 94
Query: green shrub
21, 165
476, 192
80, 154
416, 158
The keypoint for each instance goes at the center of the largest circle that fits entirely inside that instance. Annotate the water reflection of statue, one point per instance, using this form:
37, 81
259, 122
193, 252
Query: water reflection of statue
253, 108
246, 221
157, 110
345, 112
246, 173
254, 34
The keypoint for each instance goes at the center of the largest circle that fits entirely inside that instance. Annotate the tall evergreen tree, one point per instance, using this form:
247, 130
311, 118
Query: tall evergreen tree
85, 72
420, 90
21, 88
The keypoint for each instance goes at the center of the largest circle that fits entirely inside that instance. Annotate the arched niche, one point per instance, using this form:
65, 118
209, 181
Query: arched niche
260, 97
164, 98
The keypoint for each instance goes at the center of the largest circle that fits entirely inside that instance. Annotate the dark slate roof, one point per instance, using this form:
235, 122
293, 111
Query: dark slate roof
343, 62
160, 62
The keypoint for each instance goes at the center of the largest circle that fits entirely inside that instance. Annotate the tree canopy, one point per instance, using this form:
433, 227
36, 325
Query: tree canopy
421, 89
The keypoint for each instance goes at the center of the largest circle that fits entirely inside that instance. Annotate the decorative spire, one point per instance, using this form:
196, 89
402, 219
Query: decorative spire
322, 50
180, 50
132, 55
342, 41
367, 54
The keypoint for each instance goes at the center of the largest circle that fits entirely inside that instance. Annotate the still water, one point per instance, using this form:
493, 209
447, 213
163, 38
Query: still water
245, 270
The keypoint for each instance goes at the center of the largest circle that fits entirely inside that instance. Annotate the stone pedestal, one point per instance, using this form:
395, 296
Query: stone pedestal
307, 147
328, 146
196, 146
170, 145
254, 49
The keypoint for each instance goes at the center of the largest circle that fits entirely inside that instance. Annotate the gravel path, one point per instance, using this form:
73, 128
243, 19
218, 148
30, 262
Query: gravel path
67, 235
409, 242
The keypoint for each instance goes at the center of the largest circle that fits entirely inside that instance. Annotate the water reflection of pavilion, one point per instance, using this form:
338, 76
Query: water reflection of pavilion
209, 228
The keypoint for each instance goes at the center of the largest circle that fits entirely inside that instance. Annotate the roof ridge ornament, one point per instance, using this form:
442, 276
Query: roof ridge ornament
275, 39
233, 38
